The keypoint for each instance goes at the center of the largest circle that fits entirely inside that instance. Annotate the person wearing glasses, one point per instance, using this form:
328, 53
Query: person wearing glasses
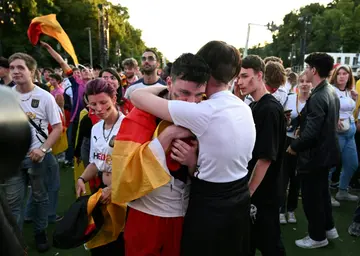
149, 66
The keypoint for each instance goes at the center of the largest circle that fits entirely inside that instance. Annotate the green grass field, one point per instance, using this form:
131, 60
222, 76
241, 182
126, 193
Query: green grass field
344, 246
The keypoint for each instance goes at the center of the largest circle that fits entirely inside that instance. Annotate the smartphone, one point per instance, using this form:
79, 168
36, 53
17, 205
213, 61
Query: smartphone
287, 111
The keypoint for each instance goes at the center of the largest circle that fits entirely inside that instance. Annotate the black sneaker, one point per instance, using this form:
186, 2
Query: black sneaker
41, 241
57, 219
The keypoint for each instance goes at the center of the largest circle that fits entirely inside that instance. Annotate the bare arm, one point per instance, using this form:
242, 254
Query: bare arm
146, 99
90, 172
65, 67
53, 136
258, 174
171, 133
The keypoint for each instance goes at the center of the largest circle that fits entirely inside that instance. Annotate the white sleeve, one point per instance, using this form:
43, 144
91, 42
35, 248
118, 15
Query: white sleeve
128, 92
159, 153
52, 110
193, 116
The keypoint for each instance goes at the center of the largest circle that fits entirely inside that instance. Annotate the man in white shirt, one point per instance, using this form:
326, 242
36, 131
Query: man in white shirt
42, 110
149, 65
216, 222
155, 221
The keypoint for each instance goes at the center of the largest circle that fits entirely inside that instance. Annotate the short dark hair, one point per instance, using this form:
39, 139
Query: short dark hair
117, 76
323, 63
223, 59
30, 62
48, 69
190, 67
254, 62
166, 71
4, 62
56, 77
151, 50
96, 66
273, 58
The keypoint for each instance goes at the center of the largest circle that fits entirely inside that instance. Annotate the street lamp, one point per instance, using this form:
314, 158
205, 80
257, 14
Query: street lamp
272, 27
306, 20
90, 45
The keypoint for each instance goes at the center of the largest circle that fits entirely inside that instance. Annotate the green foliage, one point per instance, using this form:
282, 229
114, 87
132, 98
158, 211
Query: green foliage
329, 29
75, 16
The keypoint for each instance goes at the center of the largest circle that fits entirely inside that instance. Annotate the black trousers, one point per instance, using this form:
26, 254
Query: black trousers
289, 177
317, 203
265, 231
217, 220
116, 248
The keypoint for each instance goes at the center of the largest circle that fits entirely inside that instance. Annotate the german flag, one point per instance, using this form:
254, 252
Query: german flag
114, 221
48, 25
135, 170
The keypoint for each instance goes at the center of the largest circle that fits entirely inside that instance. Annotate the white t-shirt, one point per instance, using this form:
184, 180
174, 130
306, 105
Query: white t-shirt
140, 84
40, 106
347, 104
68, 90
295, 110
281, 95
170, 200
225, 129
100, 151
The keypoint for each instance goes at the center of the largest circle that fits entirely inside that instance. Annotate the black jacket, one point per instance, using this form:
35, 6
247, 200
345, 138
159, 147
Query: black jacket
317, 147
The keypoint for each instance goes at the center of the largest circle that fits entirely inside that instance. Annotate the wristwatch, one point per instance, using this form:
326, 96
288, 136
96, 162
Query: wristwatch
44, 150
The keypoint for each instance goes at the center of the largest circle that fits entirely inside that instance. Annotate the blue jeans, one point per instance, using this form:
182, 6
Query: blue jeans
53, 187
15, 188
349, 157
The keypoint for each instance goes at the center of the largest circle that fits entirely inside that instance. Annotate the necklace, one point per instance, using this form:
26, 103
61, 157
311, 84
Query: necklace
31, 94
106, 138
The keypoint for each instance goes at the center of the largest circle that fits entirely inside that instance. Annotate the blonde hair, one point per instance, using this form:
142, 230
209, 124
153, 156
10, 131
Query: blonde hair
350, 82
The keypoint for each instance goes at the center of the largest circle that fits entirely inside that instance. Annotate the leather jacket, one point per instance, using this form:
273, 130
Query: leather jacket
317, 146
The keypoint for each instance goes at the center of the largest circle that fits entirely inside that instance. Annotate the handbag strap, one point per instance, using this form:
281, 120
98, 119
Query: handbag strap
42, 133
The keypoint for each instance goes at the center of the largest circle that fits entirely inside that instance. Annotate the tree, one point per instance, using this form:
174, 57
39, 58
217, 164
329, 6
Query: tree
328, 29
74, 16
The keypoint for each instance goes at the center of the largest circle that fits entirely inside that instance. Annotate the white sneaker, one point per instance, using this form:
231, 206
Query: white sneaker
308, 243
343, 195
334, 203
282, 218
291, 217
332, 234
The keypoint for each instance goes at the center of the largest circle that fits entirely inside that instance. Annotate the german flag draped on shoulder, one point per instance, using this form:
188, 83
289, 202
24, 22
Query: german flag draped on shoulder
135, 172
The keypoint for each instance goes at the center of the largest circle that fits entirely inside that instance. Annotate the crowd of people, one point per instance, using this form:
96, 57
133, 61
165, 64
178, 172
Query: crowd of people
224, 147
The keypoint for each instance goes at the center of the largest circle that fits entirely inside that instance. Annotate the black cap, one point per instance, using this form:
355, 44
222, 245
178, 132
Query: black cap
4, 62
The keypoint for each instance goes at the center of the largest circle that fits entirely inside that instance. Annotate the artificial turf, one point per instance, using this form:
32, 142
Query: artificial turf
344, 246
